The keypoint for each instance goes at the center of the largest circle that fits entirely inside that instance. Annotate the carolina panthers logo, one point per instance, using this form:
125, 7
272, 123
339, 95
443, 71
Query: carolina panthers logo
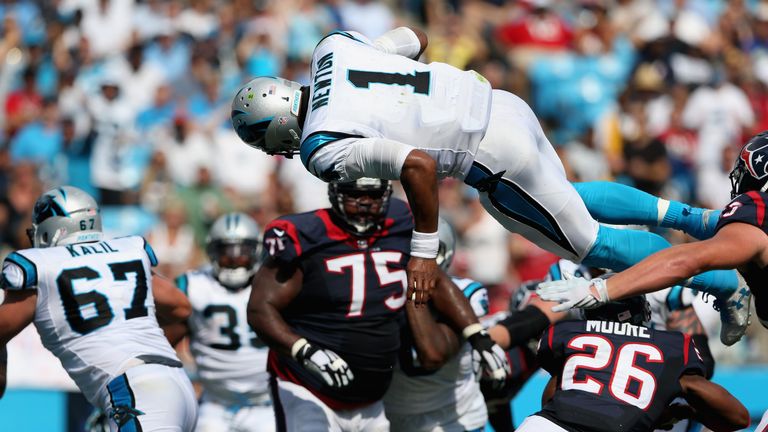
45, 208
756, 161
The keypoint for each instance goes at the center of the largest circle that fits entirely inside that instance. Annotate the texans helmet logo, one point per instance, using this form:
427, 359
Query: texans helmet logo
756, 161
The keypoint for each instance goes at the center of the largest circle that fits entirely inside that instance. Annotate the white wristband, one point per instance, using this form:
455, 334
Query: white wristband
425, 245
471, 329
297, 346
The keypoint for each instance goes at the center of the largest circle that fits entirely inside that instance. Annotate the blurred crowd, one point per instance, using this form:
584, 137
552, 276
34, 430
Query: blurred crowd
130, 100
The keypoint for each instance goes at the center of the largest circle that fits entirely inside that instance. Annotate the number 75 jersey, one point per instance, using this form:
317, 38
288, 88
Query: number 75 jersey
95, 309
614, 376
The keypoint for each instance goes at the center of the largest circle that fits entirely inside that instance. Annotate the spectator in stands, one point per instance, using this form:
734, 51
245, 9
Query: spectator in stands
205, 200
185, 149
107, 25
173, 240
113, 168
23, 104
538, 32
139, 79
40, 140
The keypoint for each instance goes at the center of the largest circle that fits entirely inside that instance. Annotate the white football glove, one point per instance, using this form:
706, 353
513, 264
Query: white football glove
572, 292
324, 363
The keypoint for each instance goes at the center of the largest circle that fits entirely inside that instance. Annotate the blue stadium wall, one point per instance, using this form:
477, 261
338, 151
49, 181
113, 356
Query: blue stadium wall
53, 411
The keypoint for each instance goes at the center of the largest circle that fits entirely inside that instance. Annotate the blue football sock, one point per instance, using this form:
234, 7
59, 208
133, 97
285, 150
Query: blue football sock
615, 203
618, 249
618, 204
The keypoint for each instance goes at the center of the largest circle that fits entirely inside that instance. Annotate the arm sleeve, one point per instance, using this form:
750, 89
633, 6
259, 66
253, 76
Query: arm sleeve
477, 295
401, 41
352, 158
19, 272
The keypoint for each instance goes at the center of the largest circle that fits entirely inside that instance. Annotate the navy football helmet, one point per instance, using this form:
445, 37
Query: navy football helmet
361, 205
751, 170
634, 310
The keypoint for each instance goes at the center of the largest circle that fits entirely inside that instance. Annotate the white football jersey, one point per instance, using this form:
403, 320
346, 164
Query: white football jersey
665, 301
231, 359
359, 91
453, 385
95, 310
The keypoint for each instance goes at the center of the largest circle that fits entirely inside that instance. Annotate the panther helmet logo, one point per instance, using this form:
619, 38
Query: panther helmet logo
756, 160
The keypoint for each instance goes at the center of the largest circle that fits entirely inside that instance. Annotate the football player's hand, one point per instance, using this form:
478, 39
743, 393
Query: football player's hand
674, 413
326, 364
489, 361
572, 292
422, 278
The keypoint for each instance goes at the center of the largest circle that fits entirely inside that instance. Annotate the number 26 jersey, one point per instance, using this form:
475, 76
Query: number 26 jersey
95, 310
613, 376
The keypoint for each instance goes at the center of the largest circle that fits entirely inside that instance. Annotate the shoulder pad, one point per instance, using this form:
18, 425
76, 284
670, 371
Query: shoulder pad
746, 208
476, 293
281, 240
400, 215
19, 272
141, 242
352, 35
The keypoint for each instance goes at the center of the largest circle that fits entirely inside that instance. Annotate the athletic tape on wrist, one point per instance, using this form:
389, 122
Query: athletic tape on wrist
425, 245
471, 330
297, 346
601, 288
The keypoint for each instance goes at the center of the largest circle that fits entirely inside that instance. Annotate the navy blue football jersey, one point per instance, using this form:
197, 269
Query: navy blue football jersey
749, 208
351, 299
613, 376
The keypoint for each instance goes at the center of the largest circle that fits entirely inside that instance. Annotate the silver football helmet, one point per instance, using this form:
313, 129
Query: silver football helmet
447, 247
233, 249
265, 115
63, 216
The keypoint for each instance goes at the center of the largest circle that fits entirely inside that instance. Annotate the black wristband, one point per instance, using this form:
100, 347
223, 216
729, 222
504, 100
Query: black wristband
525, 325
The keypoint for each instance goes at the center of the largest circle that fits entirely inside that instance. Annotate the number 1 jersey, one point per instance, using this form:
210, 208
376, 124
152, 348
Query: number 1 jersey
614, 376
358, 91
95, 310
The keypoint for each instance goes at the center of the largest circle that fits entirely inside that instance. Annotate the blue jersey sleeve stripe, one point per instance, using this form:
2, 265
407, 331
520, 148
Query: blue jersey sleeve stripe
472, 288
150, 253
182, 283
554, 272
317, 140
340, 33
28, 267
